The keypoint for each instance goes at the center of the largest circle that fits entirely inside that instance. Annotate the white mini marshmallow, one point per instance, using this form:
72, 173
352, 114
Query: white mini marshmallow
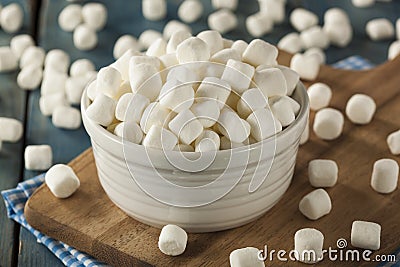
190, 11
306, 66
48, 103
85, 38
240, 46
145, 79
148, 37
92, 90
176, 39
385, 176
129, 131
291, 43
224, 55
245, 257
320, 96
263, 124
30, 77
393, 141
135, 103
336, 15
314, 37
379, 29
227, 43
158, 48
94, 15
184, 148
154, 9
160, 138
81, 67
172, 240
366, 235
108, 81
308, 243
231, 102
176, 96
282, 110
155, 114
292, 78
11, 130
38, 157
62, 181
123, 44
174, 26
363, 3
316, 52
225, 4
8, 61
271, 82
58, 60
74, 87
66, 118
169, 60
228, 144
186, 126
213, 88
250, 101
151, 60
274, 9
259, 52
213, 39
102, 110
183, 74
322, 172
238, 75
207, 141
259, 24
53, 82
233, 127
316, 204
328, 123
191, 50
222, 21
207, 112
70, 17
122, 64
20, 43
11, 18
33, 56
339, 34
360, 109
394, 50
302, 19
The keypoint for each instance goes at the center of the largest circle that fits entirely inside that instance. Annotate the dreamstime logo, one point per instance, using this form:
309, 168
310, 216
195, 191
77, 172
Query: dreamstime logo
194, 179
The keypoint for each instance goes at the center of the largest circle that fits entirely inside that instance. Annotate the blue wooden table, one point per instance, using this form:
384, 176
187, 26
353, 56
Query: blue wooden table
18, 246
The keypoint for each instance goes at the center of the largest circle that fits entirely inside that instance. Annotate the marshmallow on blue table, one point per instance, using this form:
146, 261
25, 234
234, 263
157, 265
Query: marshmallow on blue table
228, 4
363, 3
123, 44
207, 112
81, 67
154, 9
11, 130
160, 138
336, 15
259, 24
274, 9
66, 118
393, 141
385, 176
85, 38
30, 77
233, 127
145, 79
322, 172
213, 89
186, 126
316, 204
328, 123
307, 66
33, 56
259, 52
94, 15
176, 96
379, 29
8, 61
174, 26
308, 243
190, 10
366, 235
176, 38
320, 96
360, 109
238, 75
38, 157
58, 60
129, 131
20, 43
222, 21
245, 257
11, 18
70, 17
155, 114
291, 43
263, 124
102, 110
147, 37
48, 103
213, 39
302, 19
53, 82
172, 240
74, 87
62, 181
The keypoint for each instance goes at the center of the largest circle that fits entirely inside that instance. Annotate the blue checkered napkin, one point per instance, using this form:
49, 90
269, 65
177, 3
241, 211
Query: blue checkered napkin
353, 63
15, 200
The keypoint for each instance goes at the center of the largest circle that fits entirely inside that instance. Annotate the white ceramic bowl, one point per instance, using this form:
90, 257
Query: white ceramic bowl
234, 209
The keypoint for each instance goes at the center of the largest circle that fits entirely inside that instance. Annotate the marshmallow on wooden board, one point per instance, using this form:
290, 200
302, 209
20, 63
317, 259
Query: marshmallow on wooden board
38, 157
224, 4
363, 3
74, 87
233, 127
147, 37
213, 88
336, 15
222, 21
85, 38
155, 114
250, 101
316, 204
176, 96
53, 83
184, 148
190, 10
169, 60
306, 66
95, 15
172, 240
238, 75
328, 123
339, 34
385, 175
191, 50
20, 43
245, 257
322, 172
11, 18
224, 55
184, 74
108, 81
207, 112
123, 44
134, 103
274, 9
259, 24
213, 39
11, 130
394, 50
259, 52
30, 77
263, 124
314, 37
302, 19
228, 144
366, 235
207, 141
70, 17
81, 67
33, 56
48, 103
145, 79
129, 131
308, 243
58, 60
360, 109
160, 138
174, 26
186, 126
66, 118
393, 141
8, 61
240, 46
62, 181
282, 110
379, 29
316, 52
319, 95
271, 82
158, 48
176, 38
291, 43
102, 110
154, 10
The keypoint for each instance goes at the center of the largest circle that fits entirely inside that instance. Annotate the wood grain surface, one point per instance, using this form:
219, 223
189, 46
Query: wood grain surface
90, 222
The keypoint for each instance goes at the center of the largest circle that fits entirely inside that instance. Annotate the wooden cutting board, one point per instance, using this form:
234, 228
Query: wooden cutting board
89, 221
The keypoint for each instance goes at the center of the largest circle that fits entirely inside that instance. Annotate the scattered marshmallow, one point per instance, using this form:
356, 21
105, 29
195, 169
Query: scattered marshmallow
291, 43
94, 15
74, 87
81, 67
275, 9
176, 96
102, 110
233, 127
238, 75
154, 9
259, 52
360, 109
157, 49
385, 175
393, 141
213, 39
316, 52
379, 29
213, 88
145, 79
176, 38
207, 112
191, 50
20, 43
11, 130
245, 257
316, 204
259, 24
66, 118
109, 81
58, 60
222, 21
271, 82
160, 138
314, 37
302, 19
123, 44
363, 3
320, 96
53, 83
322, 173
366, 235
250, 101
186, 126
38, 157
11, 18
154, 114
328, 123
336, 15
129, 131
306, 66
134, 103
30, 77
224, 4
306, 241
148, 37
62, 181
70, 17
207, 141
32, 56
263, 124
172, 240
190, 10
174, 26
8, 61
85, 38
339, 34
394, 50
